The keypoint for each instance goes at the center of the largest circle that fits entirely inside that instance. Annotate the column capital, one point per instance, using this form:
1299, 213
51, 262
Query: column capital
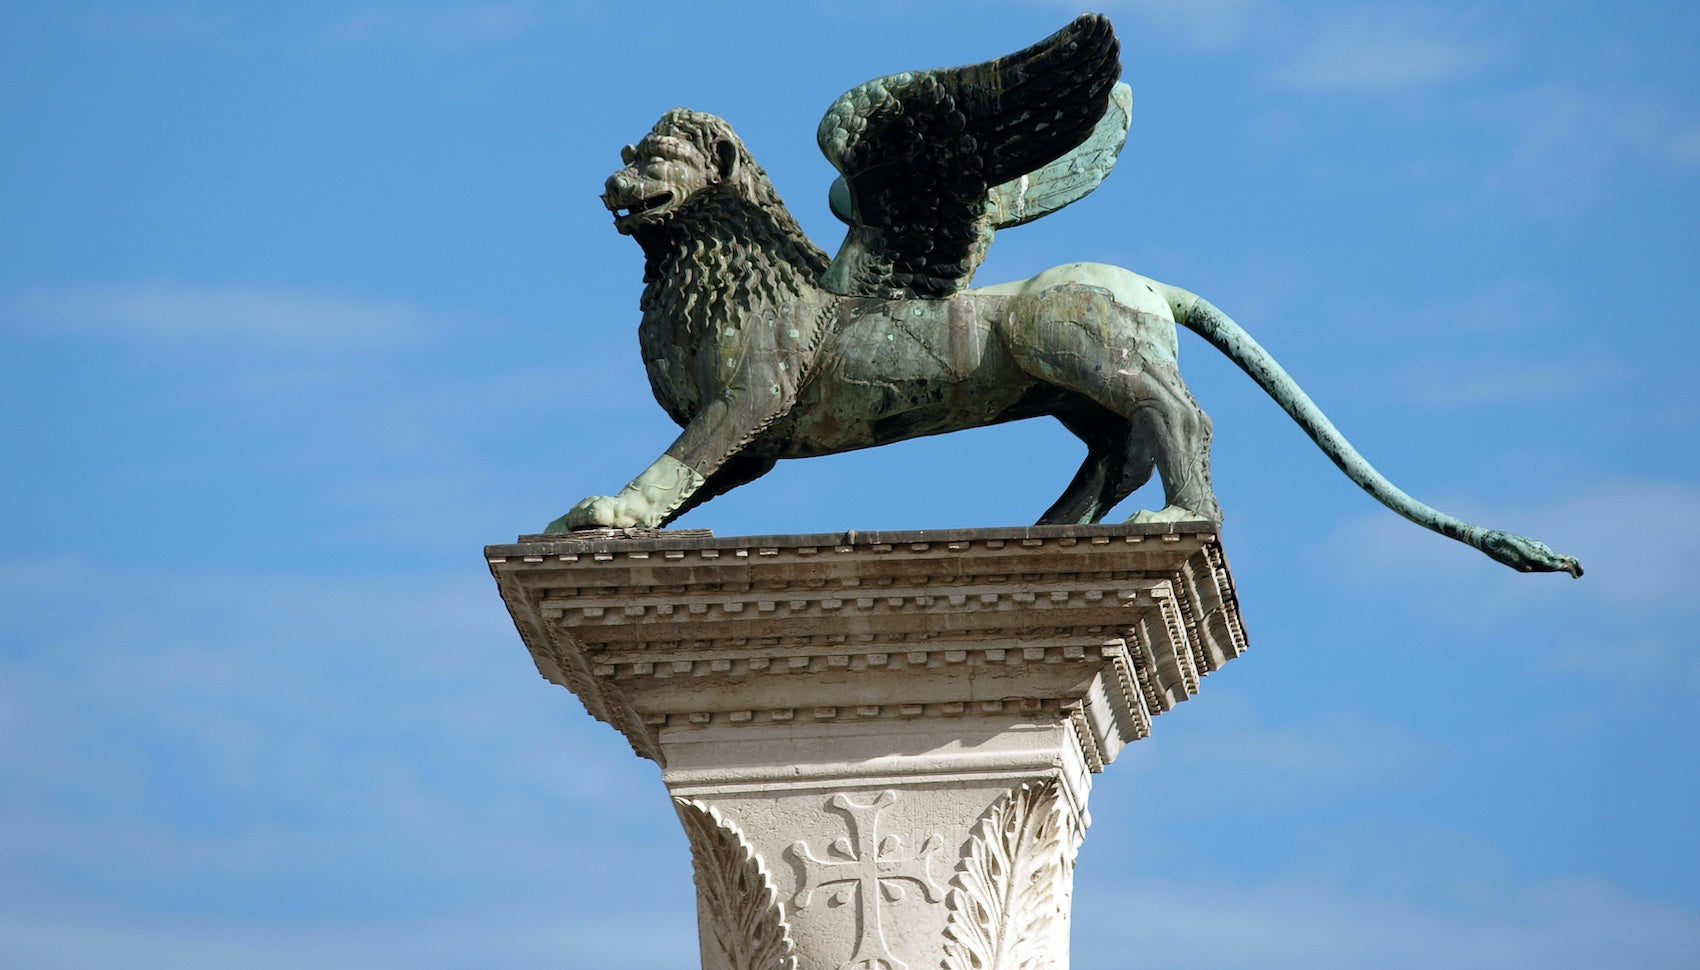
871, 738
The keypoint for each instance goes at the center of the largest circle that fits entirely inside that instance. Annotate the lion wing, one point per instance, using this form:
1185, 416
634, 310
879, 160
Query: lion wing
921, 153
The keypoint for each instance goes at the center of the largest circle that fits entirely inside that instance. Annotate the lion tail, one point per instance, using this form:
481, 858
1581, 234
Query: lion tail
1198, 315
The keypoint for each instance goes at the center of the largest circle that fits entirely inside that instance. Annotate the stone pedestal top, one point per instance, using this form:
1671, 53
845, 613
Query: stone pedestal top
655, 630
879, 744
674, 629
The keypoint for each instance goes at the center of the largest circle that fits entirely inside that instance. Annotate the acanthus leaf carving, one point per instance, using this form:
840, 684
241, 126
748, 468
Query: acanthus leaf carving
1009, 899
737, 899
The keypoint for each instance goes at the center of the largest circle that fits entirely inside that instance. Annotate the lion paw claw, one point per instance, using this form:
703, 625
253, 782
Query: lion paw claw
602, 511
1169, 513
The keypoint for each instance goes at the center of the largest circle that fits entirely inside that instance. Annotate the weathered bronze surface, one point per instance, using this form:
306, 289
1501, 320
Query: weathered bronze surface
762, 348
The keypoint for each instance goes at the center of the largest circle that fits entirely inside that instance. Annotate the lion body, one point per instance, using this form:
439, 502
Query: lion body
758, 362
889, 370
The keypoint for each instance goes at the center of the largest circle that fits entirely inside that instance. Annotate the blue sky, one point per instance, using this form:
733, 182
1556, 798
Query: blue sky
302, 304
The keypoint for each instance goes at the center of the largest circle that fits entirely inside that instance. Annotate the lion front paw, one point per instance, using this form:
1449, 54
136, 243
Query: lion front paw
597, 511
1169, 513
644, 502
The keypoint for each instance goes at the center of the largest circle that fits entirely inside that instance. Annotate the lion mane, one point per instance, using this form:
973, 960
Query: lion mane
726, 250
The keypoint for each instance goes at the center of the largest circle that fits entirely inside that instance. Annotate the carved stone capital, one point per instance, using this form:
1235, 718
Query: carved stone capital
880, 744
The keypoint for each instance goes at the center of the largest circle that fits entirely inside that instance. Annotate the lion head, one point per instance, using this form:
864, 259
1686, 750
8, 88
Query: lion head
686, 154
712, 226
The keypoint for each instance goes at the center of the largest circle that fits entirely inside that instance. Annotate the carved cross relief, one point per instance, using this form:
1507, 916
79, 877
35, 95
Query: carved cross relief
871, 872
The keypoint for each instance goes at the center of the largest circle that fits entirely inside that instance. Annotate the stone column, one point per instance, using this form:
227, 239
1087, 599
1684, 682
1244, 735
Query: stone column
880, 744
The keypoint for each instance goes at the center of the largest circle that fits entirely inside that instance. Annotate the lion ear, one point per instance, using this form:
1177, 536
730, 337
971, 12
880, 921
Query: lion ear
728, 159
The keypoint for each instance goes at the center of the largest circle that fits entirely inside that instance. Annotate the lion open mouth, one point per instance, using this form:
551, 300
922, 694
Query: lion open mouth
622, 213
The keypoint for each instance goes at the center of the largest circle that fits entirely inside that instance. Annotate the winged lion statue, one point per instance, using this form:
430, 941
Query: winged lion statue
762, 347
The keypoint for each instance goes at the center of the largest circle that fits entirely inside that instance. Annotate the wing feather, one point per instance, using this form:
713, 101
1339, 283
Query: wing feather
920, 152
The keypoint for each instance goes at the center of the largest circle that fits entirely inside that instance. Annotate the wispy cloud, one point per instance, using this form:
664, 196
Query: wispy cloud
162, 23
1556, 925
1638, 539
455, 26
1462, 381
1682, 145
1508, 306
1233, 759
1369, 50
1467, 348
226, 768
1204, 24
377, 413
185, 312
530, 933
1629, 567
1568, 142
211, 727
1375, 52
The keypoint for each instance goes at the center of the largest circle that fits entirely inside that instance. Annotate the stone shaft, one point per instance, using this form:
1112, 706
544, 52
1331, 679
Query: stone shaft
880, 744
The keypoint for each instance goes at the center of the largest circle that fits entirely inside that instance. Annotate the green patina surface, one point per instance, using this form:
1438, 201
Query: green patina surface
763, 348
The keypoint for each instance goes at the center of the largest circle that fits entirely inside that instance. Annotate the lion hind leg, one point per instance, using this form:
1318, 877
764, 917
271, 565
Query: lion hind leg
1081, 340
1179, 432
1117, 463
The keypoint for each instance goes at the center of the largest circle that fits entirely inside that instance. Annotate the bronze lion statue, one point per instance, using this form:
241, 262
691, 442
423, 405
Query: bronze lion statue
762, 347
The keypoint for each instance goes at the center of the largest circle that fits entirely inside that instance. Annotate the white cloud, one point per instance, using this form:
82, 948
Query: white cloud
1557, 925
1372, 51
183, 312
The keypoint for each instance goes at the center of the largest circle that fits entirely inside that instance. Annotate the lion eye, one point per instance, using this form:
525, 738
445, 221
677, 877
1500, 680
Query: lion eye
628, 154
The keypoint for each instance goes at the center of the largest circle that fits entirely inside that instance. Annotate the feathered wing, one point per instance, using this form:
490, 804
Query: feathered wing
1043, 191
1069, 178
921, 153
